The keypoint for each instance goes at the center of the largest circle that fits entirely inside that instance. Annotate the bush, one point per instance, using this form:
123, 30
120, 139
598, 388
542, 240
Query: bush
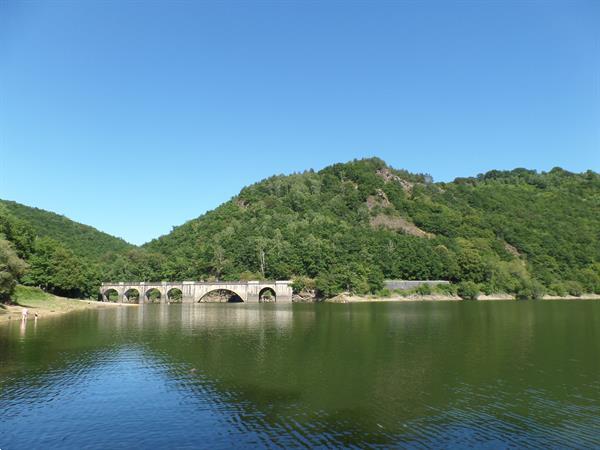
385, 292
353, 278
574, 288
423, 289
249, 276
11, 268
468, 290
302, 284
447, 289
589, 278
487, 289
558, 289
530, 290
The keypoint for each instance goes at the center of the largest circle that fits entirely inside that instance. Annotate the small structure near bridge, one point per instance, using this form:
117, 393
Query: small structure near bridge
197, 291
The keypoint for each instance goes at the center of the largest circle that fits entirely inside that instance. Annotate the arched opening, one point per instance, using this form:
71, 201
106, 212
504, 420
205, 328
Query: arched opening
174, 295
153, 296
267, 295
221, 296
111, 295
132, 296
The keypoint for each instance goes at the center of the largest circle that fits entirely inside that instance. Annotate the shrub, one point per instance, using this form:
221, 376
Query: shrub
385, 292
248, 276
302, 283
530, 290
487, 289
468, 290
574, 288
448, 289
11, 268
558, 289
424, 289
589, 278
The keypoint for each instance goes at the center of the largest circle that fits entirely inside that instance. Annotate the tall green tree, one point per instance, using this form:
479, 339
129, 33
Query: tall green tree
11, 268
56, 269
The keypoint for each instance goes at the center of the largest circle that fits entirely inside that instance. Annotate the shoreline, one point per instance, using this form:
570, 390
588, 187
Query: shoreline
343, 298
53, 307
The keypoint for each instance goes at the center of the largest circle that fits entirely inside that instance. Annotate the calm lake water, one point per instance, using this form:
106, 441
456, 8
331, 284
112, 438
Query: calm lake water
487, 374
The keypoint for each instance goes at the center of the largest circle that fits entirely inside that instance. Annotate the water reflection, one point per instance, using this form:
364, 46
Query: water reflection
434, 375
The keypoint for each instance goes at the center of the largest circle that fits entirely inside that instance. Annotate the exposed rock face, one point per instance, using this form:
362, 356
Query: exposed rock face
380, 199
512, 250
397, 223
305, 296
242, 203
388, 177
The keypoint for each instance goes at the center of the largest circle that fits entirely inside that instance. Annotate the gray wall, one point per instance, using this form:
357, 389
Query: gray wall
405, 285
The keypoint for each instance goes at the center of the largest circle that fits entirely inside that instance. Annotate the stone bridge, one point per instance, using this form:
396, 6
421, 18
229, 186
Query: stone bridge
195, 291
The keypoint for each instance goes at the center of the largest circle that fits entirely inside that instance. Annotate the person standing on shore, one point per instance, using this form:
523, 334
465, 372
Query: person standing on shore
24, 314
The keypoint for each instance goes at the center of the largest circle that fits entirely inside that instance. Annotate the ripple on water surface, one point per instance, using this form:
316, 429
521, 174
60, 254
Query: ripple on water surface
222, 376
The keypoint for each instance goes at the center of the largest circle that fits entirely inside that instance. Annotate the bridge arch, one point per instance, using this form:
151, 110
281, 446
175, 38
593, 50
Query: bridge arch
174, 295
153, 295
249, 291
220, 295
131, 295
267, 295
110, 295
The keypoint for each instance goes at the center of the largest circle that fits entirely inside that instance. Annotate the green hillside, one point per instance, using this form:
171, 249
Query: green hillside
44, 249
83, 240
344, 228
349, 226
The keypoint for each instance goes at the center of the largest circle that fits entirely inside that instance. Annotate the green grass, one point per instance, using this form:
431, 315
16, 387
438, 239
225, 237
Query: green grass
37, 299
28, 293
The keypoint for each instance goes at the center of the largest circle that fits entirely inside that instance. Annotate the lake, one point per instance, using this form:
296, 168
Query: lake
410, 374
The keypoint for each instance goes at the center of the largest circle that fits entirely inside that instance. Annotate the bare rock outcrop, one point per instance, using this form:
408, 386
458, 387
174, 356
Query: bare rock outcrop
379, 199
398, 223
388, 177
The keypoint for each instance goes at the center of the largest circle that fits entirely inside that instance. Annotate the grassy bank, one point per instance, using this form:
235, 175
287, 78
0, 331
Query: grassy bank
44, 304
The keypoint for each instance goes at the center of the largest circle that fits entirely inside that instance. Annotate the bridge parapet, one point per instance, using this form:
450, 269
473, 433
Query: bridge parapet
194, 291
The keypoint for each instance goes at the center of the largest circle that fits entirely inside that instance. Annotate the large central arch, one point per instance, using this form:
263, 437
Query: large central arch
221, 296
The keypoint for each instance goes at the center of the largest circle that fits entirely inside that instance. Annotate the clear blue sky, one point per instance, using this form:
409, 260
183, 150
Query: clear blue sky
136, 116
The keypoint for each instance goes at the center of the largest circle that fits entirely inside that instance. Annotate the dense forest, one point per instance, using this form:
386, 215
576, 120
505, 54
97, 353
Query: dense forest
345, 228
83, 240
41, 248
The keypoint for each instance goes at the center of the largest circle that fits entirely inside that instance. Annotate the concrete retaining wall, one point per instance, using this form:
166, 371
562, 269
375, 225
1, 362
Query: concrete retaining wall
406, 285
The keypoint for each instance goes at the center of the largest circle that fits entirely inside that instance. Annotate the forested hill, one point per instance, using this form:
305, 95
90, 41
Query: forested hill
344, 228
83, 240
40, 248
351, 225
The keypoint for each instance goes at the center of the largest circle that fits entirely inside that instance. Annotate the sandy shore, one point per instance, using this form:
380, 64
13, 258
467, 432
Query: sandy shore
51, 306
